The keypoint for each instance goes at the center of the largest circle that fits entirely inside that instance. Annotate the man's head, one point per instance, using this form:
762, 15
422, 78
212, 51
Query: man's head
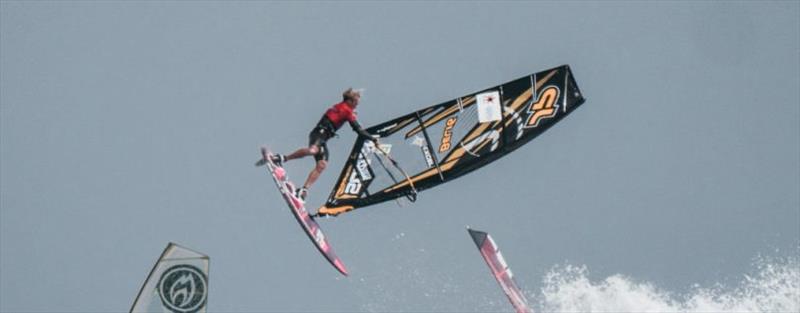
351, 96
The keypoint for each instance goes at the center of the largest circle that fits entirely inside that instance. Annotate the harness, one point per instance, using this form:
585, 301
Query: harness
327, 128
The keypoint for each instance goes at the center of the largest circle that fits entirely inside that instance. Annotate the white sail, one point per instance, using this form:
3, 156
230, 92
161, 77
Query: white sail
178, 283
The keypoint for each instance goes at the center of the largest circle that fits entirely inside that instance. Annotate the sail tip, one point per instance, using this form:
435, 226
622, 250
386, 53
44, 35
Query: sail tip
477, 236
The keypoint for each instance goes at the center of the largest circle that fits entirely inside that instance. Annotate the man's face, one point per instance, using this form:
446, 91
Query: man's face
355, 100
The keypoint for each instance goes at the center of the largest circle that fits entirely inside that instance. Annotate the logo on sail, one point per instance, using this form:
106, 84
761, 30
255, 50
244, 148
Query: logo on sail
183, 289
448, 134
544, 107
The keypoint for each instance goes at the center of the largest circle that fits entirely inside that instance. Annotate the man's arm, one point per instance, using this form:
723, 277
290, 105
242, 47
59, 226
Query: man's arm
360, 130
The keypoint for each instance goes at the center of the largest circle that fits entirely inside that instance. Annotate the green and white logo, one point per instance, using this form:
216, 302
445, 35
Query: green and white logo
183, 289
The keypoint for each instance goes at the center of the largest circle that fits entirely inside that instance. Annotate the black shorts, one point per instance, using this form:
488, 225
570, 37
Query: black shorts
319, 137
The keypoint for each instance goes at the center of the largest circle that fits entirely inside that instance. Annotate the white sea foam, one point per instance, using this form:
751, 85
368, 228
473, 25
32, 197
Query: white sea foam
774, 287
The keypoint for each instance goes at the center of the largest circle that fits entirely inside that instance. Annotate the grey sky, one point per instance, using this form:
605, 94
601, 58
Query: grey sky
126, 125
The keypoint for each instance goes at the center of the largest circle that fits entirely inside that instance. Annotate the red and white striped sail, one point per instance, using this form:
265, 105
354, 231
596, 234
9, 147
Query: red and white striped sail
497, 264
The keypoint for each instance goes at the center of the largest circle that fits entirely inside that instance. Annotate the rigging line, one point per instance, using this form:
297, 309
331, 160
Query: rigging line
411, 197
380, 160
472, 117
467, 120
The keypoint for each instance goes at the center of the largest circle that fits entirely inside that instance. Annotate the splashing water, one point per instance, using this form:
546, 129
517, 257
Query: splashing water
419, 285
774, 288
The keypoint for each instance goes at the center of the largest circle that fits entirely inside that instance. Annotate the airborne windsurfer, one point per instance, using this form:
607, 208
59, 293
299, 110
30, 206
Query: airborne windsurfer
326, 128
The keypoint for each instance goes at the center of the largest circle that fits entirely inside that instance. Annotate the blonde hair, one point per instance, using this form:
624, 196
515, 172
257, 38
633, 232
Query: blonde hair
351, 93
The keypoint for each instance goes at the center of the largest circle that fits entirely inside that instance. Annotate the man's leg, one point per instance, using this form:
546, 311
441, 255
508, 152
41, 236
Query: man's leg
322, 161
303, 152
314, 175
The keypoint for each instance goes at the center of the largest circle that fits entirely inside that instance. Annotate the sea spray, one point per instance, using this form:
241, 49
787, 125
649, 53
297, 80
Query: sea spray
774, 287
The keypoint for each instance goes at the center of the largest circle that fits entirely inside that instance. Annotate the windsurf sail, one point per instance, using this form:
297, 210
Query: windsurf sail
178, 283
500, 271
439, 143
